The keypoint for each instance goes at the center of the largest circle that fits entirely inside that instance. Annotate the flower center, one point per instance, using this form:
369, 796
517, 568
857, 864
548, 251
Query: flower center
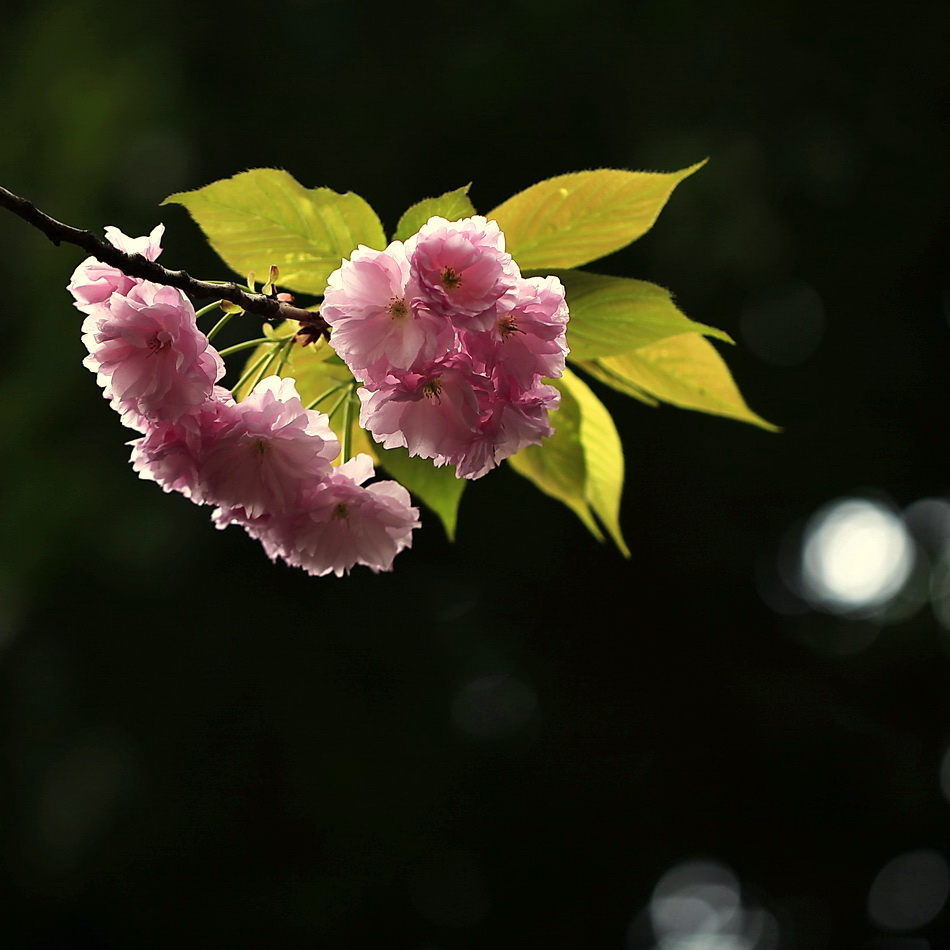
433, 389
260, 446
398, 309
341, 512
159, 342
507, 326
451, 279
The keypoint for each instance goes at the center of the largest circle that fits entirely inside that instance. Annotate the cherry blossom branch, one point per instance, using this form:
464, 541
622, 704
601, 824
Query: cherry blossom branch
135, 265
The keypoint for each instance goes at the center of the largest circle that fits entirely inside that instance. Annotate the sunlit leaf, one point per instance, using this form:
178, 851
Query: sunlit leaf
594, 368
581, 465
557, 467
264, 217
576, 218
316, 371
685, 371
438, 488
603, 455
451, 206
611, 315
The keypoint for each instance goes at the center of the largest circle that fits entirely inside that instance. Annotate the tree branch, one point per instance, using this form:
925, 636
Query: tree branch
137, 266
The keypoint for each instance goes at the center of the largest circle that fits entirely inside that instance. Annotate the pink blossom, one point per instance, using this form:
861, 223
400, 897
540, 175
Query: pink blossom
149, 355
270, 451
338, 524
527, 337
376, 329
512, 419
434, 414
461, 269
173, 453
93, 282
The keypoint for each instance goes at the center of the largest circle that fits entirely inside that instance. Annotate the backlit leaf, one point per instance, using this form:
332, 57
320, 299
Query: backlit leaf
581, 465
576, 218
451, 206
685, 371
603, 456
557, 466
594, 368
438, 488
264, 216
611, 315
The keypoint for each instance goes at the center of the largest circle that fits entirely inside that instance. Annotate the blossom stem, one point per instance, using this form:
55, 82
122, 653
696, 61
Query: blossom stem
285, 352
337, 405
135, 265
251, 370
328, 392
345, 442
221, 324
265, 369
249, 344
200, 313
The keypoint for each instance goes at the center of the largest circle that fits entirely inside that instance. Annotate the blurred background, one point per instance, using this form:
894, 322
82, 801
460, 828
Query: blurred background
736, 740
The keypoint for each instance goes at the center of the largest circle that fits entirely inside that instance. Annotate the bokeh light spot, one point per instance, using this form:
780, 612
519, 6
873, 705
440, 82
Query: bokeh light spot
856, 556
910, 890
697, 905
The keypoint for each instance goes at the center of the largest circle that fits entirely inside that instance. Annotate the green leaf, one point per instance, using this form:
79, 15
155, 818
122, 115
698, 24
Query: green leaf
264, 216
582, 464
438, 488
557, 467
451, 206
603, 455
574, 219
611, 315
315, 371
594, 368
685, 371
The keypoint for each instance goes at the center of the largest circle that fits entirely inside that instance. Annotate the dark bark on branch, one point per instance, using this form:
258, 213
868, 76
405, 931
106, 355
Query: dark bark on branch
137, 266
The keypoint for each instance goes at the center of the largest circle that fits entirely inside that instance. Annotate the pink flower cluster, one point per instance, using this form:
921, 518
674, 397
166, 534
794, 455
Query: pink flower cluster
266, 463
450, 343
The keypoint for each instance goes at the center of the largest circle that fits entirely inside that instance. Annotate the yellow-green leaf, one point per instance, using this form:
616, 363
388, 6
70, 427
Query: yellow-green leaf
573, 219
685, 371
451, 206
265, 216
581, 465
557, 467
594, 368
611, 315
603, 456
438, 488
316, 371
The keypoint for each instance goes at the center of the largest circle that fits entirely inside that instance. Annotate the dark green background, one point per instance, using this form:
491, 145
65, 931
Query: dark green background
201, 748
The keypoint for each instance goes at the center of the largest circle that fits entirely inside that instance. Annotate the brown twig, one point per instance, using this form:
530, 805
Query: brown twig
137, 266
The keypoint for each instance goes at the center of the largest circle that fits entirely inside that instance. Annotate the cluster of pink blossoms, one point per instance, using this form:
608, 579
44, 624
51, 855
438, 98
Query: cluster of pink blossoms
450, 343
266, 463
